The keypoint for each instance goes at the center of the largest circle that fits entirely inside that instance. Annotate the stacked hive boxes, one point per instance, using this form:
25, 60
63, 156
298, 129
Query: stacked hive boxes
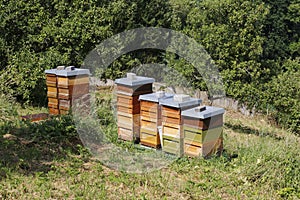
128, 106
71, 84
51, 82
203, 131
150, 118
172, 131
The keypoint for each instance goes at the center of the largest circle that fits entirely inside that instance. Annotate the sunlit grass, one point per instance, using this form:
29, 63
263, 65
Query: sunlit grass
46, 160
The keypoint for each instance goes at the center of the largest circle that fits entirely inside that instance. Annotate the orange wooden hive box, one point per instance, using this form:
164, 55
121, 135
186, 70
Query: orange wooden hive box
172, 131
203, 132
128, 106
150, 118
71, 84
51, 83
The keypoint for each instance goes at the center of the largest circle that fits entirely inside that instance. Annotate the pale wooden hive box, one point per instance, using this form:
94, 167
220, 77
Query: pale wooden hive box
128, 106
203, 131
150, 118
172, 129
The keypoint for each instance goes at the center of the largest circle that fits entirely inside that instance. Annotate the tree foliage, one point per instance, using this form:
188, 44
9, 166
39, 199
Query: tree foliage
255, 44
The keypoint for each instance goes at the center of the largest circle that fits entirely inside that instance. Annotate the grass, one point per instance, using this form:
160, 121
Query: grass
46, 160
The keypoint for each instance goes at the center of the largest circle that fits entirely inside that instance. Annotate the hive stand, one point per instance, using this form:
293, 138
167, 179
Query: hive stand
203, 131
172, 131
71, 84
128, 106
150, 118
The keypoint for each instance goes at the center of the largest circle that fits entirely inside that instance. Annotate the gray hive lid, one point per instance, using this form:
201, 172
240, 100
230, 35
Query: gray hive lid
132, 80
50, 71
68, 71
180, 101
155, 97
209, 111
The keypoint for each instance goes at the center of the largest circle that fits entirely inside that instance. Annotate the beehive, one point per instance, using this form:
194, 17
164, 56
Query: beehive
71, 83
172, 131
51, 83
150, 118
202, 128
128, 105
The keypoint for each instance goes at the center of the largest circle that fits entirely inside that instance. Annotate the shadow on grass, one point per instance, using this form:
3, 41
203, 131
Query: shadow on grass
250, 131
28, 148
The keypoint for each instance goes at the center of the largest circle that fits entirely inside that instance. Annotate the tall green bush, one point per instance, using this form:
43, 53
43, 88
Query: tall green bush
283, 96
252, 43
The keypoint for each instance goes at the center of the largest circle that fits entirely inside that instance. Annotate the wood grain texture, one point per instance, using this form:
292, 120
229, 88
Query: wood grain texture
192, 150
150, 140
136, 90
204, 124
65, 82
173, 147
51, 80
53, 111
73, 91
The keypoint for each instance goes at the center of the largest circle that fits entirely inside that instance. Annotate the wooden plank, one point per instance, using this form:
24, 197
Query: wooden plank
149, 139
171, 131
149, 118
124, 119
192, 136
150, 145
52, 92
170, 115
171, 137
212, 147
205, 124
53, 111
125, 134
192, 150
149, 104
51, 89
191, 142
151, 107
130, 122
75, 90
212, 134
192, 129
171, 120
172, 125
53, 100
52, 105
130, 106
125, 99
148, 124
135, 110
170, 109
129, 135
149, 131
35, 117
51, 80
136, 90
64, 104
172, 147
207, 135
65, 82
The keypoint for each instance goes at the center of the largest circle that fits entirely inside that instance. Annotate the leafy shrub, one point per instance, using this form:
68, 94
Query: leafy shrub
283, 96
8, 112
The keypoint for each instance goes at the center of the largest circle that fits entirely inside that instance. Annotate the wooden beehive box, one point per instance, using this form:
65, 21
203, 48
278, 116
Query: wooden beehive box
172, 122
150, 118
71, 84
128, 105
51, 83
203, 131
